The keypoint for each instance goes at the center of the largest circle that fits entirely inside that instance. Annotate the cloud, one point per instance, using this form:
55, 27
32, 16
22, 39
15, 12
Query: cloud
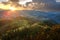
47, 5
44, 1
14, 0
3, 0
57, 0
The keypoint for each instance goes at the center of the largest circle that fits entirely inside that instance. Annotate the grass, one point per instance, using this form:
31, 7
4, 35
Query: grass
26, 29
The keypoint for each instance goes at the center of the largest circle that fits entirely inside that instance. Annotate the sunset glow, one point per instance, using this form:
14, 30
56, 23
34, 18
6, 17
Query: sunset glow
12, 8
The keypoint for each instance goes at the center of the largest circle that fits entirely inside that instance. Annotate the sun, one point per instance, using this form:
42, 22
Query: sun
12, 8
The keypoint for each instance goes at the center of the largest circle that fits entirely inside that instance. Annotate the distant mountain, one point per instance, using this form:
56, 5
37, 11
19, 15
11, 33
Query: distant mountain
55, 16
35, 15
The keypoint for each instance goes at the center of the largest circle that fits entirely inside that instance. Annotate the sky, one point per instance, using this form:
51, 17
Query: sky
54, 7
25, 0
57, 0
3, 0
20, 0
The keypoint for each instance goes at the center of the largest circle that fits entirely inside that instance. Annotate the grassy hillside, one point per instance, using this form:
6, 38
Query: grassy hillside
21, 28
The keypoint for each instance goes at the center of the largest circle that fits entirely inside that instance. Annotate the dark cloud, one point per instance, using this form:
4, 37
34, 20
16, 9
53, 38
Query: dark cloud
44, 1
49, 5
14, 0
